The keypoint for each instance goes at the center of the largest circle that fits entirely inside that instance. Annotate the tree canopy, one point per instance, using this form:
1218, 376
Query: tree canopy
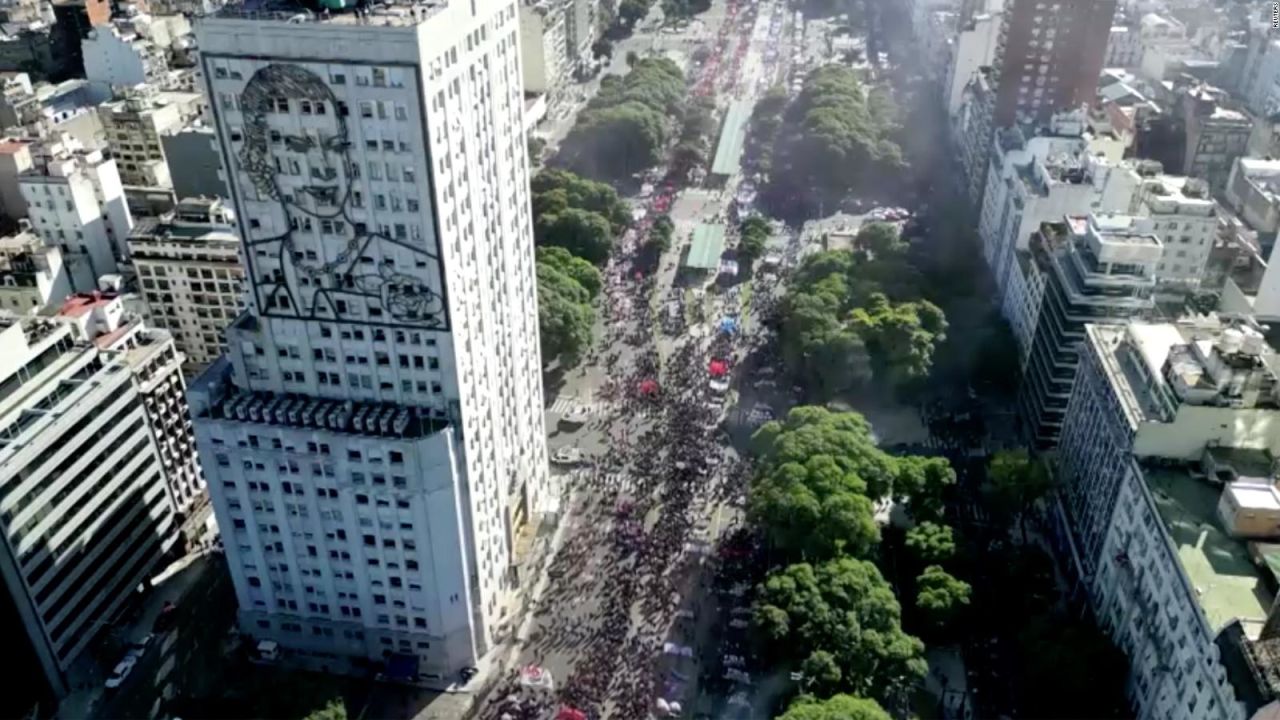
565, 314
854, 316
809, 431
941, 596
754, 235
624, 128
815, 509
836, 707
931, 543
845, 608
1015, 482
833, 139
582, 216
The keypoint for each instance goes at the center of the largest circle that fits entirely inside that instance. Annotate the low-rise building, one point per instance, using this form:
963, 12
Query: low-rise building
31, 275
1253, 192
1091, 269
1185, 217
189, 271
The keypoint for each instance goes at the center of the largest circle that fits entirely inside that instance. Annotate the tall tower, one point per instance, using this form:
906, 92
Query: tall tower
1049, 57
375, 437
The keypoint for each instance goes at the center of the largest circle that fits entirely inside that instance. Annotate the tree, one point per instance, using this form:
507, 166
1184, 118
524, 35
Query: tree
565, 314
582, 272
581, 232
630, 12
555, 190
535, 145
921, 483
602, 48
815, 509
844, 437
879, 239
846, 608
900, 337
1015, 483
821, 672
661, 232
333, 710
931, 543
836, 707
940, 596
754, 235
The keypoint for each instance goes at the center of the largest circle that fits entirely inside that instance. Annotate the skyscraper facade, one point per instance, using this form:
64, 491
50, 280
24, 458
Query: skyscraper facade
374, 439
1049, 56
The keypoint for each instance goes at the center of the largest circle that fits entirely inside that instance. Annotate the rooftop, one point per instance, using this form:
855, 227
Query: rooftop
82, 303
733, 135
1227, 582
388, 13
707, 247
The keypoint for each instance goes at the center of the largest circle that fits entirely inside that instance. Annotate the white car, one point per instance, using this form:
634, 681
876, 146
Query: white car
121, 671
567, 456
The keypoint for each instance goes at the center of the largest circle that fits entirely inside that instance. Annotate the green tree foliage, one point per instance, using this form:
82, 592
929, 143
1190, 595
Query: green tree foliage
581, 271
845, 608
809, 432
940, 596
334, 710
821, 672
661, 232
675, 9
579, 215
762, 129
626, 125
565, 313
1015, 483
841, 329
931, 543
754, 235
836, 707
632, 11
834, 139
921, 483
815, 509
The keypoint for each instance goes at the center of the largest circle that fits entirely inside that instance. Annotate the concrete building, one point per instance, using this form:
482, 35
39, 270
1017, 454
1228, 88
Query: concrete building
1185, 217
135, 124
1253, 192
86, 514
32, 275
195, 165
973, 47
75, 202
544, 53
1215, 135
1165, 468
15, 159
189, 271
1037, 179
1124, 47
374, 441
1049, 57
582, 29
1086, 269
132, 49
973, 129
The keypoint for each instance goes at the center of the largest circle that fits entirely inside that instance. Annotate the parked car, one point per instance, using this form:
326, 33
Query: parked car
121, 671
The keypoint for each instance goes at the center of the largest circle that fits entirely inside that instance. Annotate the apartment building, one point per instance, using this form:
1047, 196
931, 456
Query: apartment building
75, 202
1185, 216
85, 511
1049, 56
1085, 269
31, 274
544, 47
374, 440
1166, 501
134, 125
1216, 134
1253, 192
973, 47
190, 274
973, 128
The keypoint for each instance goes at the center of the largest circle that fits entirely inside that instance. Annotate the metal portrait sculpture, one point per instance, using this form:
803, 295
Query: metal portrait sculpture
337, 278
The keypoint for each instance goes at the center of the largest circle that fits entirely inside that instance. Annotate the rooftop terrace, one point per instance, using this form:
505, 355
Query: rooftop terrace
1228, 583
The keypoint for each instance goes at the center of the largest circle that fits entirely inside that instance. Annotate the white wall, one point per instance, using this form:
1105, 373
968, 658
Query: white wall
974, 47
110, 60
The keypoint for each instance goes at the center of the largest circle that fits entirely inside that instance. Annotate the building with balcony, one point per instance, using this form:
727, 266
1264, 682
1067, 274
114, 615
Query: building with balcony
190, 274
1083, 270
134, 126
544, 47
31, 274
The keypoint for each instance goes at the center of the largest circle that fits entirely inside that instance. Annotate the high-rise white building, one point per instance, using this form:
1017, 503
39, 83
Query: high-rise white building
1166, 473
374, 441
189, 271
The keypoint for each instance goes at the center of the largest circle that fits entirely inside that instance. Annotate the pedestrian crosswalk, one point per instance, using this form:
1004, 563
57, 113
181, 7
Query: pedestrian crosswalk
573, 406
603, 481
